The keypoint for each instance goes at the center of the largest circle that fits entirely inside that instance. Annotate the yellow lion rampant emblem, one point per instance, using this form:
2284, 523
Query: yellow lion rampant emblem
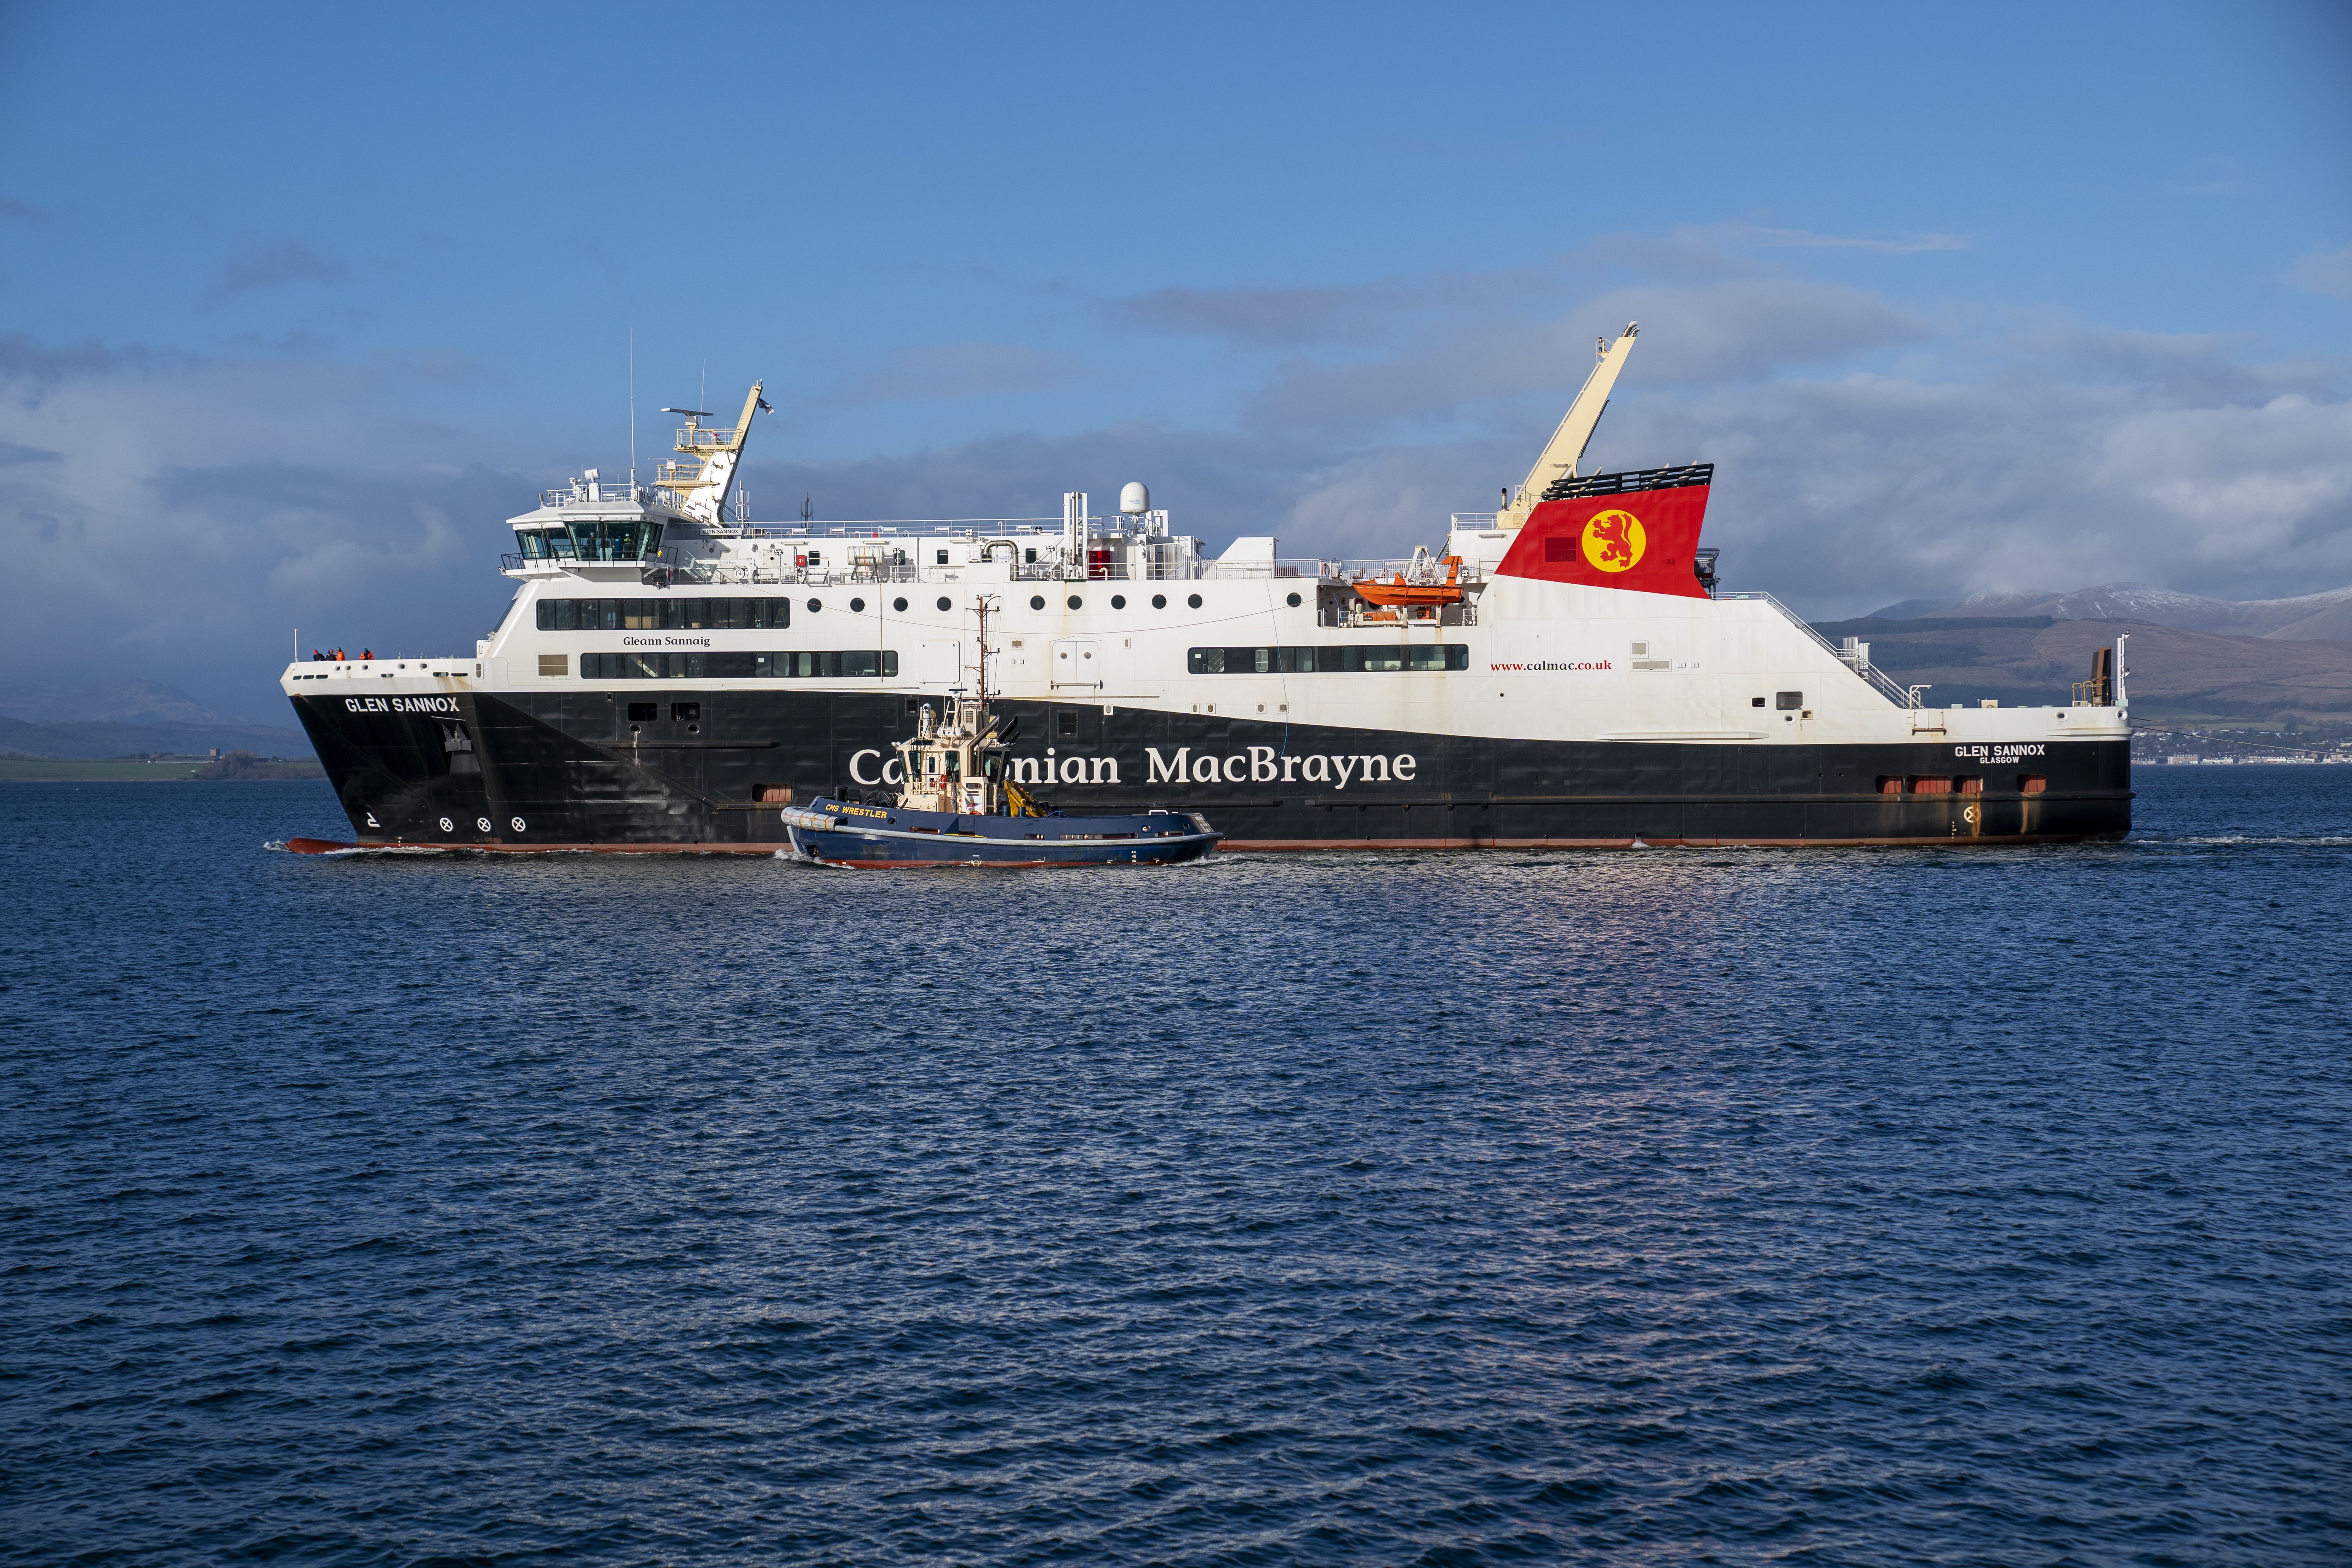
1613, 541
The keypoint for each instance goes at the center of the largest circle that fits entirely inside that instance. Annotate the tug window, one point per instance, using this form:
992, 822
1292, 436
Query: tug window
679, 614
853, 664
1787, 702
1327, 660
1065, 724
685, 713
643, 712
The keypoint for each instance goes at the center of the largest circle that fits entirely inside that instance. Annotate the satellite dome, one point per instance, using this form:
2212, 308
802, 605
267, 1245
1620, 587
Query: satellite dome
1134, 499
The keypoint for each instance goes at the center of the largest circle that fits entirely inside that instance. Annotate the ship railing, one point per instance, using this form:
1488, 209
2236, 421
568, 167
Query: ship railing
1474, 521
1352, 611
1300, 566
1117, 527
1423, 569
1853, 658
587, 493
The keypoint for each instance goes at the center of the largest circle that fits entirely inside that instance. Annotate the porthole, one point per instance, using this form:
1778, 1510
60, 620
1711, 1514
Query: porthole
1159, 600
1076, 602
1195, 601
899, 605
1118, 601
1037, 600
856, 607
815, 605
1292, 601
946, 603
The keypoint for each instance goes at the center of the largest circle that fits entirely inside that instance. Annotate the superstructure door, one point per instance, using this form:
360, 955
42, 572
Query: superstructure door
1078, 662
939, 661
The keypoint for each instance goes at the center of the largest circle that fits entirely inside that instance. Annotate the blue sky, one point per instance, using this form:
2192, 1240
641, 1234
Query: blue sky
296, 305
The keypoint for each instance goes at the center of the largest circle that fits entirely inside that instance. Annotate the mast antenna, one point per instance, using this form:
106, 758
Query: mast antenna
633, 410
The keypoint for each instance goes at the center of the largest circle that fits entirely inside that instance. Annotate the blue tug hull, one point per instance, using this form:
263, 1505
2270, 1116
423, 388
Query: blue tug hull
837, 833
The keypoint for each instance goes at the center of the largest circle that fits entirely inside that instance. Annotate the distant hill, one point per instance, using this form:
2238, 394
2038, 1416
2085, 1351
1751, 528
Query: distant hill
98, 737
2174, 672
124, 702
2326, 616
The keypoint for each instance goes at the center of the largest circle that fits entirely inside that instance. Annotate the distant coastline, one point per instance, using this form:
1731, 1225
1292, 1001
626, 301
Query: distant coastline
235, 767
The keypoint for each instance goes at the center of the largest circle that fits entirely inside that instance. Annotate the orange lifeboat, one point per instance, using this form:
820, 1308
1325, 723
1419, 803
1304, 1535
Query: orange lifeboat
1418, 585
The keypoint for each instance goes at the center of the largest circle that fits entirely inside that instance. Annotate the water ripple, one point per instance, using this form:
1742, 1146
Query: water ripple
1846, 1207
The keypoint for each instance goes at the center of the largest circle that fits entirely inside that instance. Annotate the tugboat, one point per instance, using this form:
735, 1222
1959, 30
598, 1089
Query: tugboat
959, 807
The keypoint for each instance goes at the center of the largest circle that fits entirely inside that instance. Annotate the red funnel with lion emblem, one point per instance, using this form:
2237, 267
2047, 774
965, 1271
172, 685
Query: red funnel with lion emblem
1638, 532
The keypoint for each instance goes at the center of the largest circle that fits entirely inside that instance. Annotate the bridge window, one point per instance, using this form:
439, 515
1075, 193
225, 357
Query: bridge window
615, 539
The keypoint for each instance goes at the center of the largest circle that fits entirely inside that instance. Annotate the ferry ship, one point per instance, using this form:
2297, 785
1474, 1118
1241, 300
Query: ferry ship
1564, 672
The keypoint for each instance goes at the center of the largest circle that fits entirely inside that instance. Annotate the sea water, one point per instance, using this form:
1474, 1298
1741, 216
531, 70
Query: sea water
1837, 1207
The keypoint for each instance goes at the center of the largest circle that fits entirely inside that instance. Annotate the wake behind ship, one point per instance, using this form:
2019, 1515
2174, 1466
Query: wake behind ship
671, 676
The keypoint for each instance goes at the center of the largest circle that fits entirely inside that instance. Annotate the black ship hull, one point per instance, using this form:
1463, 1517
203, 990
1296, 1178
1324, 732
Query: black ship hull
708, 771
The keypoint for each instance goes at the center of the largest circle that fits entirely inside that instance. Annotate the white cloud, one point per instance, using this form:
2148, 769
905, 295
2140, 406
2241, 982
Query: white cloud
172, 517
2326, 272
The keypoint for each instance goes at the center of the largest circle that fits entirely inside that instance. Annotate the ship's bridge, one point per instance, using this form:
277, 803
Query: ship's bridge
592, 521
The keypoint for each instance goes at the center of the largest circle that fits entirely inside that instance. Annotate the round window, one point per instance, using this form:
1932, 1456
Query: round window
1118, 601
1195, 601
1293, 601
815, 605
1159, 600
946, 603
1076, 602
1037, 600
857, 606
899, 605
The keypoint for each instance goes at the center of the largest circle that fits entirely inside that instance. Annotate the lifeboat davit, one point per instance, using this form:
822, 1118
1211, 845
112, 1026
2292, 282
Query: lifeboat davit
1418, 585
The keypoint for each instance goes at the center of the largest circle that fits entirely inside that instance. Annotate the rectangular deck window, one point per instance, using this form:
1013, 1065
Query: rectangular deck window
853, 664
1345, 660
683, 613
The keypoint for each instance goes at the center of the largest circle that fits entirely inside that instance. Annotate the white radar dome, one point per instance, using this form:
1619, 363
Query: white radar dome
1135, 498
